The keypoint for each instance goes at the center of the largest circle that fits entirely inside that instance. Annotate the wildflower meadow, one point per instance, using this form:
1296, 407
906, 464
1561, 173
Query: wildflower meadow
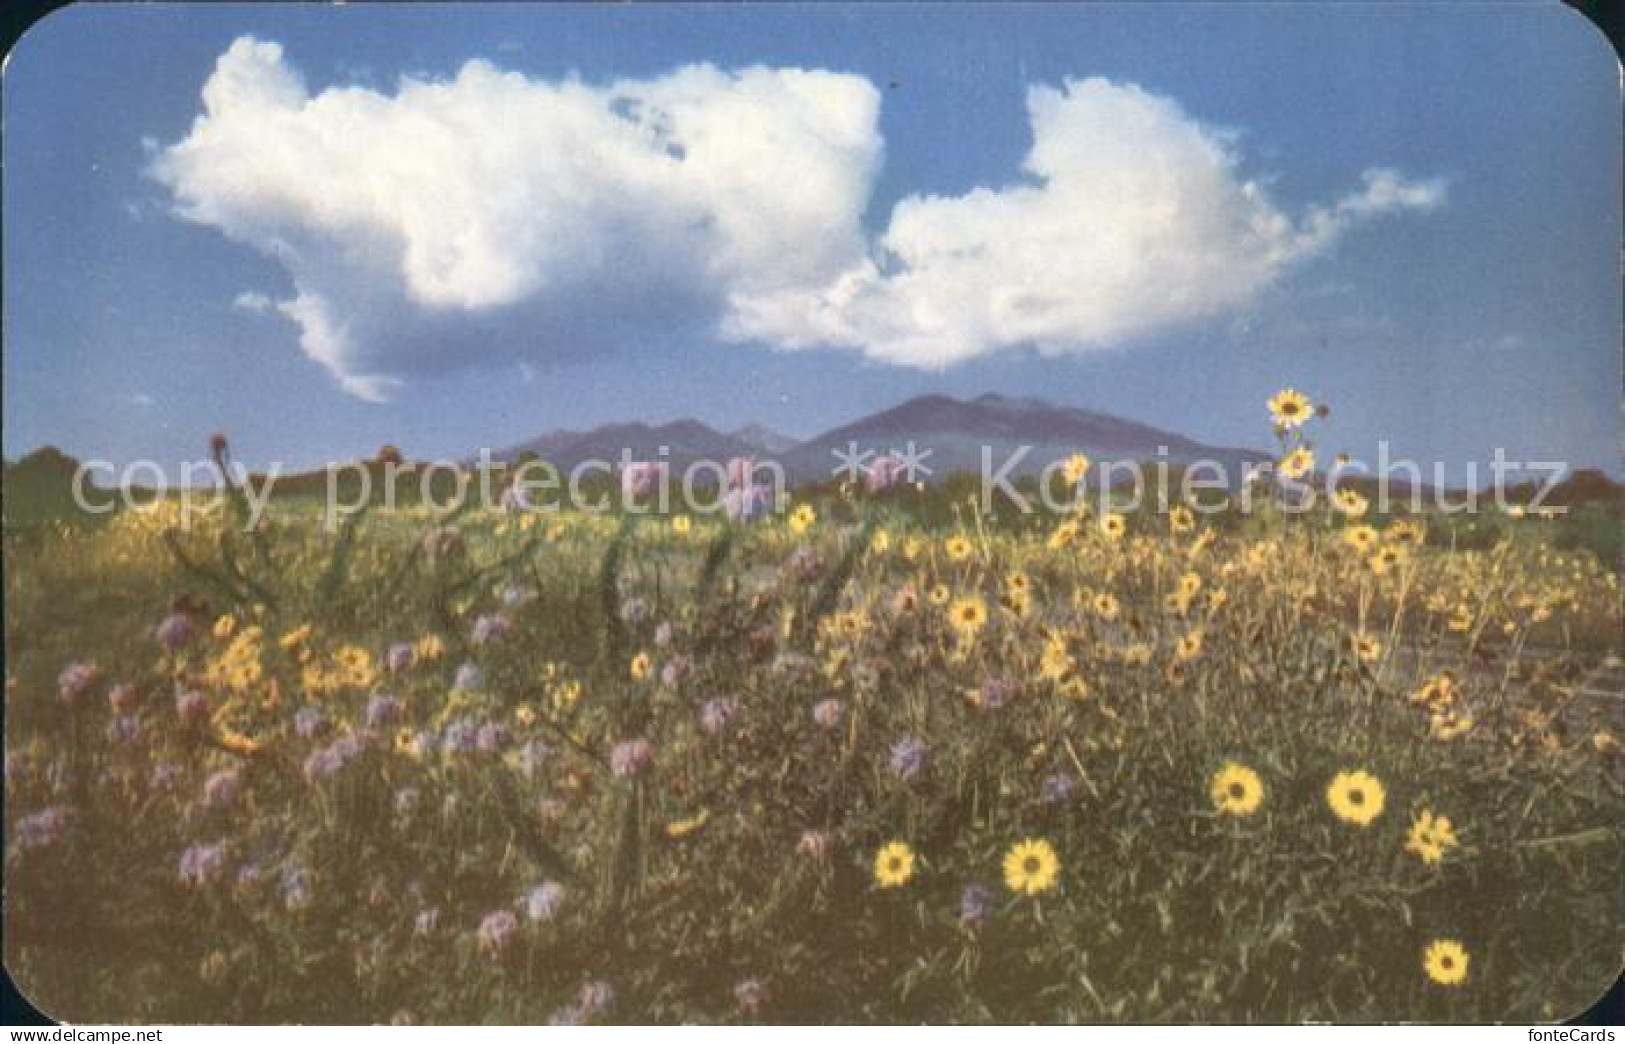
880, 755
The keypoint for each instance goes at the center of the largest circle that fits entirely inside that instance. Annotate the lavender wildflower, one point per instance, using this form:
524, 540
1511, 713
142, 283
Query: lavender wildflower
399, 656
309, 722
497, 930
176, 631
220, 790
750, 994
75, 680
543, 902
631, 758
42, 829
828, 713
717, 714
1060, 788
202, 863
383, 709
975, 906
908, 757
490, 627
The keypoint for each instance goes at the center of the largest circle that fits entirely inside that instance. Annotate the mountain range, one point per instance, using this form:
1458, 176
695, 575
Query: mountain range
949, 434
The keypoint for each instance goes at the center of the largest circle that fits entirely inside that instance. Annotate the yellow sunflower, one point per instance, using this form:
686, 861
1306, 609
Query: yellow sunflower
894, 864
1387, 559
429, 648
1181, 520
1360, 538
1236, 790
1298, 463
1445, 961
1350, 503
1290, 408
640, 666
1113, 525
1430, 837
939, 595
681, 525
1031, 867
1407, 531
968, 614
802, 518
1075, 467
1356, 797
1189, 647
1365, 647
1106, 607
957, 548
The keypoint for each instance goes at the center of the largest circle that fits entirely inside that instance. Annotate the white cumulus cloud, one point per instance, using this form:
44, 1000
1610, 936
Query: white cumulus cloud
1133, 218
495, 216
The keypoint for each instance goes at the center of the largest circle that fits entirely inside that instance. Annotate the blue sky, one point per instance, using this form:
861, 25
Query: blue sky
1477, 305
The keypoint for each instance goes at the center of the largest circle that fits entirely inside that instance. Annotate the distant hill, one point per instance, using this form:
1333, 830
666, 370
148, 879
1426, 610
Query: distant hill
765, 439
685, 441
955, 431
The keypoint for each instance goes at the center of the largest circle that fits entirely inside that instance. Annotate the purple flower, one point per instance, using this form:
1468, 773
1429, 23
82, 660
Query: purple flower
163, 776
191, 705
1060, 788
975, 906
677, 670
908, 757
532, 757
220, 790
492, 738
497, 930
542, 903
176, 631
597, 997
750, 994
123, 697
125, 728
297, 893
718, 714
250, 878
202, 863
663, 634
309, 722
828, 713
75, 680
383, 709
996, 692
631, 758
516, 595
638, 478
884, 473
747, 503
328, 762
42, 829
469, 678
399, 656
490, 627
458, 737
